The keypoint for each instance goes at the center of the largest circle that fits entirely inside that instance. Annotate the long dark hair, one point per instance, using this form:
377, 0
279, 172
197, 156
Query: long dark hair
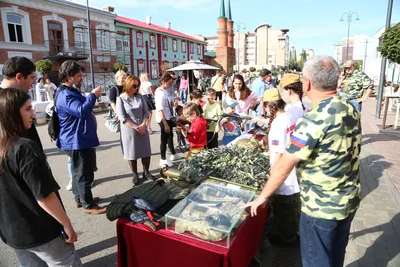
274, 106
244, 91
11, 123
297, 88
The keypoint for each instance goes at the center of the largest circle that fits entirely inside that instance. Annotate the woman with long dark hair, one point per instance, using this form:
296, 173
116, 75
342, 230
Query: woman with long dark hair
244, 96
133, 113
32, 218
165, 118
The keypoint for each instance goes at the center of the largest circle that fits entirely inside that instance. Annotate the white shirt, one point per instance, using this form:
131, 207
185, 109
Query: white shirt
145, 88
164, 103
295, 111
278, 139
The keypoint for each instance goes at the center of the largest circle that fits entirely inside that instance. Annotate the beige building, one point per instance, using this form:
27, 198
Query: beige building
263, 48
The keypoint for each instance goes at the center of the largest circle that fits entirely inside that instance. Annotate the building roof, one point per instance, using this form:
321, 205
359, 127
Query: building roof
212, 38
156, 28
229, 11
77, 4
211, 54
222, 11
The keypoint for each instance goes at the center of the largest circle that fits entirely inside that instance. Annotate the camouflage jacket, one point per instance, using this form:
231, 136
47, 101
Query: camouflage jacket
327, 140
354, 85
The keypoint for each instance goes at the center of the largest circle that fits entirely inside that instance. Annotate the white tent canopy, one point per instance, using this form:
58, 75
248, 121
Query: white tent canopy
194, 65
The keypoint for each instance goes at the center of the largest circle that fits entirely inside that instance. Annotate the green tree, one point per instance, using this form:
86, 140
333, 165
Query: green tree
390, 44
44, 66
244, 70
303, 59
252, 69
119, 66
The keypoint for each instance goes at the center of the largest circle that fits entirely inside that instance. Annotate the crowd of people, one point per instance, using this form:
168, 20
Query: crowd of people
313, 189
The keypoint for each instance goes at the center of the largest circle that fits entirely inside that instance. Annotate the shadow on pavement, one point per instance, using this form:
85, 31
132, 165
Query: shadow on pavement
381, 137
372, 170
106, 261
386, 246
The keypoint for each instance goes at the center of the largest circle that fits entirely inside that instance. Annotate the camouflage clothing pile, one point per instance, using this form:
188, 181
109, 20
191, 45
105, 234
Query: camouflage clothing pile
248, 167
327, 140
354, 85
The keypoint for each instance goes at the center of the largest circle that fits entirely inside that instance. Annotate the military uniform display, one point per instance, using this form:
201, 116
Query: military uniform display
327, 140
354, 85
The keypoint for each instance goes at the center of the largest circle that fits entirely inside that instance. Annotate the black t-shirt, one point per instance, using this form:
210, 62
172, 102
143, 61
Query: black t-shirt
200, 109
33, 134
115, 91
25, 179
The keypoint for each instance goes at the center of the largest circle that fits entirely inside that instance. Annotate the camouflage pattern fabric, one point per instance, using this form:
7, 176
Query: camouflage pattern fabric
354, 85
327, 140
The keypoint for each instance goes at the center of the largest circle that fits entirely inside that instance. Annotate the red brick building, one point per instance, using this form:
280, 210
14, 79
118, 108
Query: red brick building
57, 30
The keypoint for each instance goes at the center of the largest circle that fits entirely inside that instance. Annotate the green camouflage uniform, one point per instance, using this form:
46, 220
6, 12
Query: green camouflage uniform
327, 140
354, 85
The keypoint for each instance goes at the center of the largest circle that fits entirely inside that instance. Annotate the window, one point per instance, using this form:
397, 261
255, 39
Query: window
165, 43
56, 40
81, 36
174, 45
139, 39
103, 37
191, 48
175, 64
152, 41
118, 44
154, 71
126, 46
198, 49
14, 23
141, 66
183, 47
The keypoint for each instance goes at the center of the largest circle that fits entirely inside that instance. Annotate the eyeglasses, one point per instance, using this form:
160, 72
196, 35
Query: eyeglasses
135, 86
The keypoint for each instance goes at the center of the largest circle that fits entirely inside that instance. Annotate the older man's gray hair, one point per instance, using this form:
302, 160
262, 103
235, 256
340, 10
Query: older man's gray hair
323, 72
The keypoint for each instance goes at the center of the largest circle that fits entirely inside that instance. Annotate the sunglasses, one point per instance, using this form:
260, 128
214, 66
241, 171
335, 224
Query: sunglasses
135, 86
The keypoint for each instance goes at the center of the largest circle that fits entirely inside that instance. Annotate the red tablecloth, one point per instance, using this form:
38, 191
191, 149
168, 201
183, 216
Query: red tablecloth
140, 247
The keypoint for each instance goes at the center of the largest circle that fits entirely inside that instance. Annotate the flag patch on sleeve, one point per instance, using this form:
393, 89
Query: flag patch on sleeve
275, 142
299, 140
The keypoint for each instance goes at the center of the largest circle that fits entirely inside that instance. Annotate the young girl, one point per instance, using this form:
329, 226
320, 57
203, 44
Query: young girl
230, 125
286, 201
32, 218
293, 92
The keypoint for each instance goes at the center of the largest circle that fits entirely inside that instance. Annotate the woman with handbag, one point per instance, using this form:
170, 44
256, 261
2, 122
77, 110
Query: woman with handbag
148, 94
133, 114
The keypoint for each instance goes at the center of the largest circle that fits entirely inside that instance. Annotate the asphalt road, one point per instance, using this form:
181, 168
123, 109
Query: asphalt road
97, 243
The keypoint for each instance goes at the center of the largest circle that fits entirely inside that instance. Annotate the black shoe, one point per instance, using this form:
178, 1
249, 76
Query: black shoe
135, 179
148, 176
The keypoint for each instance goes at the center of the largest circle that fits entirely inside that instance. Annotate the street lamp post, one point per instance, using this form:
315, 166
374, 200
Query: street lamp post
238, 28
349, 19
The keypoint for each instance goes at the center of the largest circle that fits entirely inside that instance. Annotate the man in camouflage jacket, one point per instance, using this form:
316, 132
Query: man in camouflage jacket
355, 85
325, 146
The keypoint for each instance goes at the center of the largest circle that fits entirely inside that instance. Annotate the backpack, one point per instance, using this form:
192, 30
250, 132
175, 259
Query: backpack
53, 128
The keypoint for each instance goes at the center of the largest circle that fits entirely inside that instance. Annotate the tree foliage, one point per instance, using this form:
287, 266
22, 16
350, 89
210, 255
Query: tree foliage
44, 66
252, 69
390, 44
119, 66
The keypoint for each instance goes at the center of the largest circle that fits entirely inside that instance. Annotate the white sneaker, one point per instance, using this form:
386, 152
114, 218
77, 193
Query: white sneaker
164, 162
173, 157
69, 186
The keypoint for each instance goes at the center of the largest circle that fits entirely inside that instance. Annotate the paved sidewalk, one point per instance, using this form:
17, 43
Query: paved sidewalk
375, 232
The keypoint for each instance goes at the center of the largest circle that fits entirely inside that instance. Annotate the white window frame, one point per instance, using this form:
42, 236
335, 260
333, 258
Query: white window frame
54, 17
26, 26
102, 31
83, 30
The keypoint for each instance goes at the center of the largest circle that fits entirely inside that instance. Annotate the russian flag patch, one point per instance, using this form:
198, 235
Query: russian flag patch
275, 142
299, 140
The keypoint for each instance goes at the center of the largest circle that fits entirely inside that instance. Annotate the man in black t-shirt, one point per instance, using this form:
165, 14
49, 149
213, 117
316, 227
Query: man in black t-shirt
19, 73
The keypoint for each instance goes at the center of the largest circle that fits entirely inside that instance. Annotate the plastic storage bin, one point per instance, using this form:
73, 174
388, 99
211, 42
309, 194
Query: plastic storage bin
210, 213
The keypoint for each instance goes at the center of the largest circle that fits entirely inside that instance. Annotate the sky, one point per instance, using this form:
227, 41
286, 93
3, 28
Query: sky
312, 24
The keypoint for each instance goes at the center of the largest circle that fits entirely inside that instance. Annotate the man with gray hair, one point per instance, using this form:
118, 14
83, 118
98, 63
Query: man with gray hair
325, 147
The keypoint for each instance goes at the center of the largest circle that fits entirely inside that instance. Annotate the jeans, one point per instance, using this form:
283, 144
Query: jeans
181, 139
57, 252
82, 167
358, 106
167, 139
182, 95
323, 242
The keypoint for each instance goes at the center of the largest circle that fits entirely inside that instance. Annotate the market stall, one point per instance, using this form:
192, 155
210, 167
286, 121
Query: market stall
195, 215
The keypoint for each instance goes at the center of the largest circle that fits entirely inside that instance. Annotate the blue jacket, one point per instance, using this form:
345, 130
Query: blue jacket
77, 124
